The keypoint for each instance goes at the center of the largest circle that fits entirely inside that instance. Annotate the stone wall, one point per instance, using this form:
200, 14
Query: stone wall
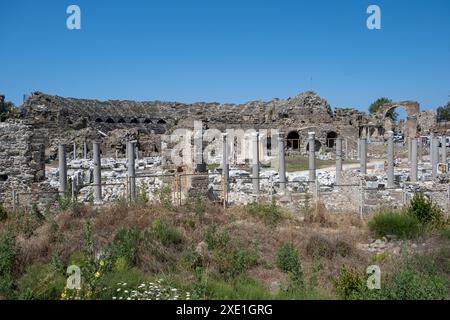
22, 163
71, 120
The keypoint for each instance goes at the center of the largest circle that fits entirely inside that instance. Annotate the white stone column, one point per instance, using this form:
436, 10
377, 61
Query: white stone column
312, 156
390, 160
281, 162
97, 173
255, 162
414, 168
131, 170
62, 169
363, 156
443, 150
338, 160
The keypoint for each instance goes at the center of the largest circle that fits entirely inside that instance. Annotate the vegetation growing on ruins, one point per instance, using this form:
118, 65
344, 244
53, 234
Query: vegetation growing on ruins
375, 106
422, 216
149, 250
5, 109
443, 113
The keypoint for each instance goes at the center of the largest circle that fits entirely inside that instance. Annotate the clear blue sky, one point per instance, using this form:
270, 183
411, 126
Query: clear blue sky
227, 50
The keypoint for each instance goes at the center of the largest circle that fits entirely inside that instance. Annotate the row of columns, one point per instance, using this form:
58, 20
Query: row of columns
362, 143
131, 159
414, 146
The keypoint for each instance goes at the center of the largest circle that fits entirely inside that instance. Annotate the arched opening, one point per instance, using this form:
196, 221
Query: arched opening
98, 120
395, 119
331, 139
109, 120
269, 146
161, 121
147, 121
317, 146
134, 120
293, 140
121, 120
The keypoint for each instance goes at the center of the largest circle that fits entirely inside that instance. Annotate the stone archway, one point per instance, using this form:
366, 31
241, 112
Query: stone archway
412, 109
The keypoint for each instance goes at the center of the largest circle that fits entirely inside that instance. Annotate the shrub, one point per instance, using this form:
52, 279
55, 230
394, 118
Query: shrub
125, 245
41, 282
287, 258
320, 247
417, 278
425, 211
403, 225
3, 213
349, 284
288, 261
244, 258
36, 213
165, 197
270, 213
8, 253
165, 233
197, 205
215, 239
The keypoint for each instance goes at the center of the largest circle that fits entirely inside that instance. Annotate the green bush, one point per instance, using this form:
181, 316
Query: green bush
8, 253
270, 213
3, 213
125, 246
287, 259
403, 225
41, 282
244, 258
349, 284
417, 278
425, 211
165, 233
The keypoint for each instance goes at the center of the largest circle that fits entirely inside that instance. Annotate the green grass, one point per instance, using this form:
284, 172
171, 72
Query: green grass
299, 163
268, 212
445, 233
401, 224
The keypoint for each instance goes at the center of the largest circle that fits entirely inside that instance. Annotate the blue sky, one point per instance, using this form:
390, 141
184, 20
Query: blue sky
227, 50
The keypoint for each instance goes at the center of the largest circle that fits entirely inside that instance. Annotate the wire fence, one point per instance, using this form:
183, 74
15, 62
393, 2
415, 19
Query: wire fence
357, 197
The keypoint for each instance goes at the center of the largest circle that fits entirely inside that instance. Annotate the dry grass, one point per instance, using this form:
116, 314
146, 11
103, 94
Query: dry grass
337, 232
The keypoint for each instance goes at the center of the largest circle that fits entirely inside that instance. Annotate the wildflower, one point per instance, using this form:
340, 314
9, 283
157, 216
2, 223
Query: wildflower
97, 274
102, 263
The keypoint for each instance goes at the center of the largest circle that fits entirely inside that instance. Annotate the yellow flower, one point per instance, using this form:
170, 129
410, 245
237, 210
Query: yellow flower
102, 263
97, 274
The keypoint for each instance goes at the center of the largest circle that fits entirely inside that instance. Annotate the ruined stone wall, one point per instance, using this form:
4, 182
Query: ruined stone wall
21, 159
78, 120
426, 121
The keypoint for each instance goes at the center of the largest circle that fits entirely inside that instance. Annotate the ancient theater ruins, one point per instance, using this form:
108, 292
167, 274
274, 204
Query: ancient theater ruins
286, 150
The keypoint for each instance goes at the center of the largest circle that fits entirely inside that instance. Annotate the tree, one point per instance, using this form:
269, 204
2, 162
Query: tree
5, 109
443, 113
374, 107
